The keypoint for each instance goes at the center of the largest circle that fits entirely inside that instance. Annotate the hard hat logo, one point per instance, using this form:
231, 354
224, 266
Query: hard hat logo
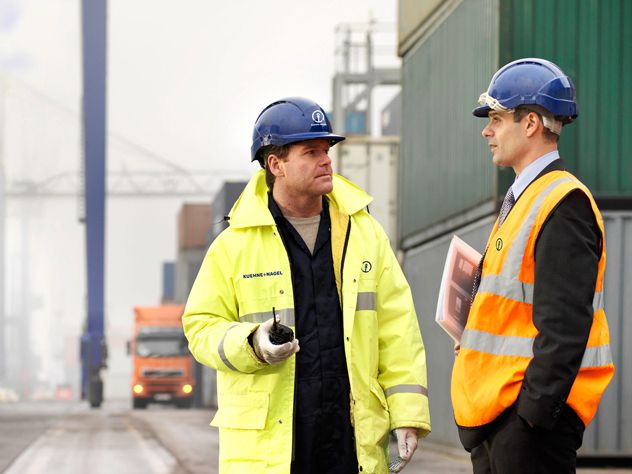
318, 116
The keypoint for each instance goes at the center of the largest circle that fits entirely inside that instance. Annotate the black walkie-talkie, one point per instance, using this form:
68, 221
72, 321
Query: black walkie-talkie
280, 334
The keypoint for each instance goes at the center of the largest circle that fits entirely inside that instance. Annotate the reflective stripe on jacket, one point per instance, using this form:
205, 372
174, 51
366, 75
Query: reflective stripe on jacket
245, 273
497, 344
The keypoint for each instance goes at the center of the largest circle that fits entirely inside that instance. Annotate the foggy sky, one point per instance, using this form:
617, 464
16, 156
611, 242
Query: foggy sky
185, 82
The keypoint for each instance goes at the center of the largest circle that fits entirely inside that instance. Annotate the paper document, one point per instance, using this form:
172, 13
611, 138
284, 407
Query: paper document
455, 292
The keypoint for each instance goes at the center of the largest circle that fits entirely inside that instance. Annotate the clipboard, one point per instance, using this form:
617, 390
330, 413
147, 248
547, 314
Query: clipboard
455, 292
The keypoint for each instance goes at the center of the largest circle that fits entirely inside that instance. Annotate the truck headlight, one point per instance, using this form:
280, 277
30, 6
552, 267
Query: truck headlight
186, 388
138, 388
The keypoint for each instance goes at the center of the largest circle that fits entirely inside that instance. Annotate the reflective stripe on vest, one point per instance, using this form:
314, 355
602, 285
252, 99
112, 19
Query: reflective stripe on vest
284, 316
366, 301
523, 347
222, 352
519, 291
406, 388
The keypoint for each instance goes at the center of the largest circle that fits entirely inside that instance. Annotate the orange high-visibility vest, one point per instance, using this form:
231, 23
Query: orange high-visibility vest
497, 343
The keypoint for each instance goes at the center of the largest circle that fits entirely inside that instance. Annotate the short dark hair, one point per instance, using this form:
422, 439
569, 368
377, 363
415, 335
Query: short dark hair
280, 151
522, 110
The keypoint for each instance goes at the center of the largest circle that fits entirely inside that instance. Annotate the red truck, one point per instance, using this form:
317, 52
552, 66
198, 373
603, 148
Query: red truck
162, 363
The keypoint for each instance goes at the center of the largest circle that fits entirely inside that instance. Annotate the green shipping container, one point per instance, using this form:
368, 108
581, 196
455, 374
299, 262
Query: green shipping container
447, 177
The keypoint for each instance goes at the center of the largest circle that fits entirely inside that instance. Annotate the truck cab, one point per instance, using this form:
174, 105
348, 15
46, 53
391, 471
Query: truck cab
162, 363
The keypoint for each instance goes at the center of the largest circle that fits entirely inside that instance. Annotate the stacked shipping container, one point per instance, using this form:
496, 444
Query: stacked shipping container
450, 50
198, 225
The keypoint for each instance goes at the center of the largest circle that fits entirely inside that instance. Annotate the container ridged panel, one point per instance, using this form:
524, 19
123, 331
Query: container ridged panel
445, 167
610, 433
591, 41
424, 267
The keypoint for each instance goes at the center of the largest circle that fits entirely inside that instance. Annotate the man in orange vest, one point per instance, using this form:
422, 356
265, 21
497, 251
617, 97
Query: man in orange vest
534, 357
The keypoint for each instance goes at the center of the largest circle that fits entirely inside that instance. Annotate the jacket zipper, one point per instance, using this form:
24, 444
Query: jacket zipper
342, 264
280, 234
342, 267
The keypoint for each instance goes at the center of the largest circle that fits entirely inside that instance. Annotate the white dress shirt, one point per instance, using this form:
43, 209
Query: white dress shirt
531, 172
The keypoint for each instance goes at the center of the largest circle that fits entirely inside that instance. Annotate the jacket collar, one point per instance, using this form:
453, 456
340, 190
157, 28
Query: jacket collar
251, 209
556, 165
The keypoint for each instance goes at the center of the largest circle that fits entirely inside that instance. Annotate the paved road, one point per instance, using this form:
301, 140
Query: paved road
21, 424
70, 438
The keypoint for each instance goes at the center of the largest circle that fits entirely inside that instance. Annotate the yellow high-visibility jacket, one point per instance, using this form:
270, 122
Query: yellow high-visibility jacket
497, 344
246, 273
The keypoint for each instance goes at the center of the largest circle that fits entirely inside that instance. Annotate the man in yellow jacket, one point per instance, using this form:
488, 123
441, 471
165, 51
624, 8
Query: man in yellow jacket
301, 248
535, 353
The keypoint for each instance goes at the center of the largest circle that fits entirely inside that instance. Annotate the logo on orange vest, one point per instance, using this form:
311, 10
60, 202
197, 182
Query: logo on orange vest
366, 266
499, 244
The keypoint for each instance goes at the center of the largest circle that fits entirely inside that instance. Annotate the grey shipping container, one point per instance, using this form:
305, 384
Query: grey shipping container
223, 202
610, 433
446, 176
168, 282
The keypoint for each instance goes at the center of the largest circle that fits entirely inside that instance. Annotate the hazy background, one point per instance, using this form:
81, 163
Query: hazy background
185, 82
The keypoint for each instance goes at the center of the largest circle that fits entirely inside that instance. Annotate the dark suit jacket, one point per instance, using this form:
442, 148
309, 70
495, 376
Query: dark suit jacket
567, 254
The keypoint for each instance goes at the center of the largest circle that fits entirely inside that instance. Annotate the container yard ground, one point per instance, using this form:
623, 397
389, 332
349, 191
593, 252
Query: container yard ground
71, 438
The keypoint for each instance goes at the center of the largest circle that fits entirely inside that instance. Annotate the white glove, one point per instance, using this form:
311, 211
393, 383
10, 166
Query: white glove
406, 445
268, 352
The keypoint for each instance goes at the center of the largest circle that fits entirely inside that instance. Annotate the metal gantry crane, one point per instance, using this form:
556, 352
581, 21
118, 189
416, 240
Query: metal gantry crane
178, 182
94, 56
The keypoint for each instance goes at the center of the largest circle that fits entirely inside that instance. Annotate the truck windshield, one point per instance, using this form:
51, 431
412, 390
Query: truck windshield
163, 346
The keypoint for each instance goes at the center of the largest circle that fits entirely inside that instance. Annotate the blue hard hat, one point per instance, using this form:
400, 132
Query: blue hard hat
290, 120
530, 81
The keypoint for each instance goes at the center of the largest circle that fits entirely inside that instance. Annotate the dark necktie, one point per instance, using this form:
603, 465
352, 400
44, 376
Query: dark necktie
506, 206
508, 203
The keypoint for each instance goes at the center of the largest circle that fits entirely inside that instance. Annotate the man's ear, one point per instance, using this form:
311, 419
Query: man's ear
275, 165
533, 122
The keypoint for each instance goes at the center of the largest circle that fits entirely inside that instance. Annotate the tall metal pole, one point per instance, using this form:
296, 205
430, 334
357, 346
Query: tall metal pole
94, 34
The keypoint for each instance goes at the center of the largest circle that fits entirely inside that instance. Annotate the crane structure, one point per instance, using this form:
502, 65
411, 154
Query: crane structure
94, 57
126, 184
358, 74
177, 182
